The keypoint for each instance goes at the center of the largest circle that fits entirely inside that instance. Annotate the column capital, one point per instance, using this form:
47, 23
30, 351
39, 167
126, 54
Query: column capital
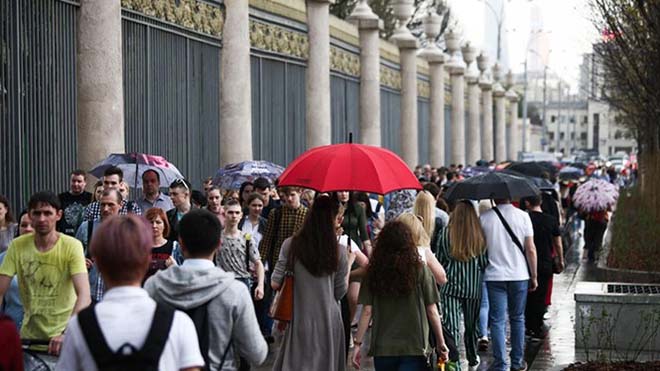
322, 1
485, 85
364, 18
455, 69
498, 90
433, 54
511, 96
405, 43
367, 23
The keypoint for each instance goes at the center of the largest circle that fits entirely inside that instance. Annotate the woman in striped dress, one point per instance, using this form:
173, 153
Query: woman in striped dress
462, 252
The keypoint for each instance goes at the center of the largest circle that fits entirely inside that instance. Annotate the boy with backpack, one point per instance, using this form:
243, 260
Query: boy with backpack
128, 330
219, 305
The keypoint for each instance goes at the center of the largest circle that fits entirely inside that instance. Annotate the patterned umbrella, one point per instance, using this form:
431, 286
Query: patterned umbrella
233, 175
595, 195
471, 171
135, 164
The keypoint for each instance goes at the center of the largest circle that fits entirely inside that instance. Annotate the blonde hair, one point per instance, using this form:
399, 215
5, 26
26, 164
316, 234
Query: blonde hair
425, 208
416, 228
466, 238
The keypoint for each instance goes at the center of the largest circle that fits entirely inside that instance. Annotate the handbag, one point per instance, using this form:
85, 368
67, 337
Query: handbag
282, 307
556, 265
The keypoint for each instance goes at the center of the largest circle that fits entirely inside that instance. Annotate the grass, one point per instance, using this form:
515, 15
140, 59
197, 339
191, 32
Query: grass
635, 234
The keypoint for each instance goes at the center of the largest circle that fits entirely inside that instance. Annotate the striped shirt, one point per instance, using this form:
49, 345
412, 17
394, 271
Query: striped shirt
464, 278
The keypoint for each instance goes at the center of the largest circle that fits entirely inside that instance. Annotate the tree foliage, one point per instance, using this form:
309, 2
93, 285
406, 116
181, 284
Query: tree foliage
629, 55
343, 8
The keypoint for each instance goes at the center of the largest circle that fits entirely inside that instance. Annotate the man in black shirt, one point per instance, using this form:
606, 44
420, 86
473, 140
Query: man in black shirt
263, 187
547, 239
73, 203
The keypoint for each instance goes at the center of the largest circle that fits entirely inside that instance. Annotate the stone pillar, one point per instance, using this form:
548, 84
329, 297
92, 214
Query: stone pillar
500, 116
317, 75
486, 86
436, 60
456, 69
407, 44
473, 148
236, 98
100, 82
512, 128
368, 25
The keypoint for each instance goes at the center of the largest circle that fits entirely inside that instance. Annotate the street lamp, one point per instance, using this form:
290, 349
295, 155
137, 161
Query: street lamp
524, 102
499, 19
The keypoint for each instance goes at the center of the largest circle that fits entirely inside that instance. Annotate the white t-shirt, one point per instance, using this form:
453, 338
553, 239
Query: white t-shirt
421, 250
343, 241
505, 261
125, 316
253, 230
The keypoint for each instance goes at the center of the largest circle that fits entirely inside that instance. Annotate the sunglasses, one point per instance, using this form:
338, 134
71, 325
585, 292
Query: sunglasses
181, 182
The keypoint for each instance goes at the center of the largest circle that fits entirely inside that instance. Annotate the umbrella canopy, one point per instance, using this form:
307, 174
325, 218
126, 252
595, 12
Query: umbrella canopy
535, 169
540, 183
595, 195
570, 173
494, 185
233, 175
135, 164
349, 167
471, 171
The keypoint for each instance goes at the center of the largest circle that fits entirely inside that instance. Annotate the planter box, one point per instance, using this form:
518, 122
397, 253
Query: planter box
622, 317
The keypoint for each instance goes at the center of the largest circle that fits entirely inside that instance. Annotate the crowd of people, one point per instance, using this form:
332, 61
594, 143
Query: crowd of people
186, 280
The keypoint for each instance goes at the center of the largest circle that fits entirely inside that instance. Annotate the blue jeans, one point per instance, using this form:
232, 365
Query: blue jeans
483, 311
400, 363
511, 296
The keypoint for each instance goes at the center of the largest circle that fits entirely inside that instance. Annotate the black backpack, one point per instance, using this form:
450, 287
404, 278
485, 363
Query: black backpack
144, 359
200, 318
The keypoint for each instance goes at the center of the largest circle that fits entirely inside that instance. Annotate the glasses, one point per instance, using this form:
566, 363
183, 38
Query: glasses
181, 182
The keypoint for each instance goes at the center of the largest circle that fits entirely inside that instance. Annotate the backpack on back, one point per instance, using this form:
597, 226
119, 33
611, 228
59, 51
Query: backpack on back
127, 357
200, 318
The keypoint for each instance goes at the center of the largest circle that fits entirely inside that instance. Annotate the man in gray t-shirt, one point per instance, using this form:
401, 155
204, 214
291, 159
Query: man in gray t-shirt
237, 251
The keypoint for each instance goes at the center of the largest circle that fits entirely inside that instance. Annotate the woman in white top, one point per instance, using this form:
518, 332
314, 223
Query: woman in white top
423, 243
253, 223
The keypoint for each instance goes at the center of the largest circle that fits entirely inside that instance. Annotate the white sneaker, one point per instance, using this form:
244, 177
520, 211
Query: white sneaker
475, 367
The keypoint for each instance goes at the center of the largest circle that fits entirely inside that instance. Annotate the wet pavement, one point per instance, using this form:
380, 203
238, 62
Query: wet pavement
551, 354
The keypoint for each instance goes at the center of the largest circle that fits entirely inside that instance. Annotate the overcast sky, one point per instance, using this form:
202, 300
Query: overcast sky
566, 24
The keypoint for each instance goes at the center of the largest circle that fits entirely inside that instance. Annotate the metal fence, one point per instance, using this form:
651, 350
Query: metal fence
172, 94
37, 97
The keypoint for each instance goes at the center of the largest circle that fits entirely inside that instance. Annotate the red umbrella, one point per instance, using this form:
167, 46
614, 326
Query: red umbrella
349, 167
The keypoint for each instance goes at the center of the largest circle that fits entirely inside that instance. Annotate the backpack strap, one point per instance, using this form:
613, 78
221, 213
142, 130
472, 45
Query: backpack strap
158, 333
199, 316
93, 335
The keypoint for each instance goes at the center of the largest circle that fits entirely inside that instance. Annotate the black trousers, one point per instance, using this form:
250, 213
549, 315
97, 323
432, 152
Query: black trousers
593, 236
536, 307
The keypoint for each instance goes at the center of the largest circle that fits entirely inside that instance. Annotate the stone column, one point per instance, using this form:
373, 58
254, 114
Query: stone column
100, 82
436, 60
235, 99
408, 45
473, 147
456, 69
512, 128
317, 75
368, 25
500, 117
486, 86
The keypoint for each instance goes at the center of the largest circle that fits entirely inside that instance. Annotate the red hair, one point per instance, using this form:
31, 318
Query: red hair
157, 212
121, 248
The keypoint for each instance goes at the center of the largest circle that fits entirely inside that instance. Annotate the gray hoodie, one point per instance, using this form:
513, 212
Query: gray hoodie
230, 310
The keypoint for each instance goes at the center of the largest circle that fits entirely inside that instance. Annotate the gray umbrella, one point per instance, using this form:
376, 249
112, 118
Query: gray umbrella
494, 185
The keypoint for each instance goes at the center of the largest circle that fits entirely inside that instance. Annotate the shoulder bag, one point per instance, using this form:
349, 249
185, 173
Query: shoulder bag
282, 307
513, 237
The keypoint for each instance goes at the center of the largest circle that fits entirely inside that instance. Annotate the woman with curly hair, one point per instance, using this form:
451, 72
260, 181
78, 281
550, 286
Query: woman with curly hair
401, 296
462, 251
320, 272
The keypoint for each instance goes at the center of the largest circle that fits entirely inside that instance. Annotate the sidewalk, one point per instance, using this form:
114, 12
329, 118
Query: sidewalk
556, 351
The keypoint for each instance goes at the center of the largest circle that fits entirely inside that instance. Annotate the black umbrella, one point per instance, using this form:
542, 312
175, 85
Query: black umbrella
540, 183
494, 185
579, 165
536, 169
